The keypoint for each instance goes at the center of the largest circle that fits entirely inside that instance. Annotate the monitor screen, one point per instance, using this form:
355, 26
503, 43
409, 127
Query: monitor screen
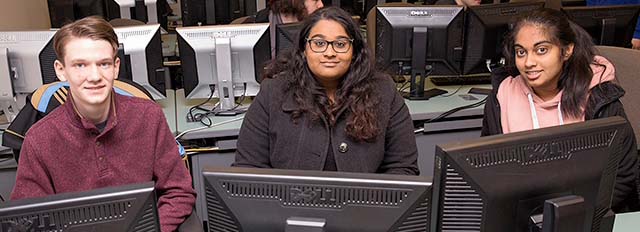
123, 208
143, 57
64, 11
419, 41
225, 59
218, 12
486, 26
608, 25
497, 183
246, 199
286, 36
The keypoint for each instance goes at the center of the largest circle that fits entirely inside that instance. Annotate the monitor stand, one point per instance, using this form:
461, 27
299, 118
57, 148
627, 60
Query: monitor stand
304, 224
224, 74
418, 68
561, 214
8, 103
607, 31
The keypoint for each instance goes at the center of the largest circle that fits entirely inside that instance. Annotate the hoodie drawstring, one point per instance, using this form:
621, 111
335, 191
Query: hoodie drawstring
534, 114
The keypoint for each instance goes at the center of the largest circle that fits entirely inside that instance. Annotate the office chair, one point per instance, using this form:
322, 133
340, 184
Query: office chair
47, 98
625, 61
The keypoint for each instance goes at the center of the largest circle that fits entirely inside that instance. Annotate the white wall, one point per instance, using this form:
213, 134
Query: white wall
24, 15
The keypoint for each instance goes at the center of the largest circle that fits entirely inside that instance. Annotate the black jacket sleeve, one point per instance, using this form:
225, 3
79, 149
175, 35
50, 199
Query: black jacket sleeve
253, 140
604, 102
491, 120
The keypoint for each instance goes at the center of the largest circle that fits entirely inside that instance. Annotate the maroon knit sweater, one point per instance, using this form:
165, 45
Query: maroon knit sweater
66, 153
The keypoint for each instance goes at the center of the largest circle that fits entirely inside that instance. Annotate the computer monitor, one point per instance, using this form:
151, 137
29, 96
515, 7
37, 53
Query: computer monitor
64, 11
486, 26
142, 10
420, 41
215, 12
143, 57
498, 183
608, 25
26, 62
247, 199
286, 36
223, 61
123, 208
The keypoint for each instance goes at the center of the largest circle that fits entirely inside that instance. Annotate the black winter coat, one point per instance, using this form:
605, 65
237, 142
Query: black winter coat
269, 139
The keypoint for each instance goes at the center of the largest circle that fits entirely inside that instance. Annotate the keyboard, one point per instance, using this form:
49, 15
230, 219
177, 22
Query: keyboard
472, 79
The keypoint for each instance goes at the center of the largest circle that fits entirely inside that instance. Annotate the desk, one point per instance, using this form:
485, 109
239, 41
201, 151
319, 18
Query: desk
169, 109
8, 167
460, 125
627, 222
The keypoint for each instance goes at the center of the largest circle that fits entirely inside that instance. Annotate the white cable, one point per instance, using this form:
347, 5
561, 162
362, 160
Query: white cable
488, 62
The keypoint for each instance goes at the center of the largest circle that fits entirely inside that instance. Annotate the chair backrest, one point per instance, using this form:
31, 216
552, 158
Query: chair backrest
241, 20
626, 62
47, 98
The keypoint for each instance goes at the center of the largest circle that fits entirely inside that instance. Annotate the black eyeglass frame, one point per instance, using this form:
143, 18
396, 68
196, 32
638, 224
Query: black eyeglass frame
309, 40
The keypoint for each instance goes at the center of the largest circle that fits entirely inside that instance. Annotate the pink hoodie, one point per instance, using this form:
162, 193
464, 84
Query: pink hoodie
515, 108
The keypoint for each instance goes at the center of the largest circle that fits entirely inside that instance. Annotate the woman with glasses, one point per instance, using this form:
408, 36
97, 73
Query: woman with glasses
324, 107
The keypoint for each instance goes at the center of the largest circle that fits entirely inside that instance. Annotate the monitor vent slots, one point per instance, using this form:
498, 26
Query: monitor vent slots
536, 153
94, 213
431, 12
16, 37
418, 220
309, 195
221, 34
147, 220
219, 216
462, 209
127, 34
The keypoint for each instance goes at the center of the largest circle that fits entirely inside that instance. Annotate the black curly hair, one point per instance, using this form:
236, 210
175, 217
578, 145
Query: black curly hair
355, 91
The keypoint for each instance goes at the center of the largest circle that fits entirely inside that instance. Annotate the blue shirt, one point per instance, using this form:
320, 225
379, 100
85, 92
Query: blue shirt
636, 34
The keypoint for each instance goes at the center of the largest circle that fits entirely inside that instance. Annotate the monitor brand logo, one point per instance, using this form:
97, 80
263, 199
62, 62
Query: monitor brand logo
8, 38
545, 151
223, 34
313, 195
42, 223
419, 13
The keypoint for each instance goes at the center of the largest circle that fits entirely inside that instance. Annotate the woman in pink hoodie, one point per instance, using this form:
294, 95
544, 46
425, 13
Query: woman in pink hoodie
554, 77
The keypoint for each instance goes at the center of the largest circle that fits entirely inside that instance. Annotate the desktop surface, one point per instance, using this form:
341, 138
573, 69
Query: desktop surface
626, 222
420, 110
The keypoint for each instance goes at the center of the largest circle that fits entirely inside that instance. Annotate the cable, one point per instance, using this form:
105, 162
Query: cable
190, 116
488, 62
451, 94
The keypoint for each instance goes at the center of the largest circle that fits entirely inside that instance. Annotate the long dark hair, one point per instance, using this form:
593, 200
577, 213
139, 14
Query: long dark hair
576, 71
355, 93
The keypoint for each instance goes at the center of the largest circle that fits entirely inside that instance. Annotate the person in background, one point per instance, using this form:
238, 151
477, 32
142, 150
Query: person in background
560, 79
325, 107
459, 2
635, 41
99, 138
285, 11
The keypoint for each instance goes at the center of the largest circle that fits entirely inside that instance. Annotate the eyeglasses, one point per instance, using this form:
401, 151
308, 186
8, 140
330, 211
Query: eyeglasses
339, 46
